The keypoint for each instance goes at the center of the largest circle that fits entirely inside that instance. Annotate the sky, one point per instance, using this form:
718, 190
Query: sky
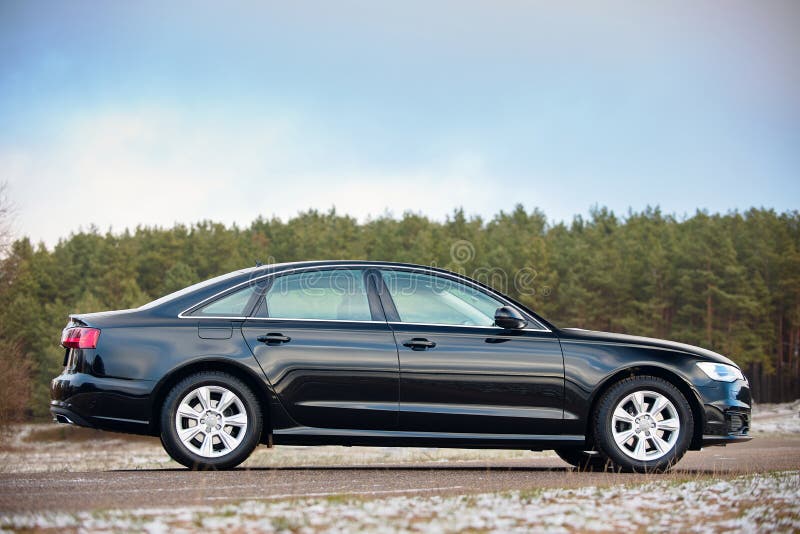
154, 113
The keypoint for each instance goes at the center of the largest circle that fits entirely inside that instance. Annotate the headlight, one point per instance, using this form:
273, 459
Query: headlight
721, 371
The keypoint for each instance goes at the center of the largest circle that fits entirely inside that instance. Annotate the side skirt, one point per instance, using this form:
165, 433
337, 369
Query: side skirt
303, 435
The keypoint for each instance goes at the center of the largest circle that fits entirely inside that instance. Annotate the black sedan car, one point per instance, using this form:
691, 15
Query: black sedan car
388, 354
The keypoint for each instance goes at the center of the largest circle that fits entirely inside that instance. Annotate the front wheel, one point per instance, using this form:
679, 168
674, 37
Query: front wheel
643, 424
210, 420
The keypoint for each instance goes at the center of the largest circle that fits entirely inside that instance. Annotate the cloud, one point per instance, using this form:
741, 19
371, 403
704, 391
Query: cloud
157, 166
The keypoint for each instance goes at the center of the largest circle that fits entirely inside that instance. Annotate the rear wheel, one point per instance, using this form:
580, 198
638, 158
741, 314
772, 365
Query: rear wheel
584, 460
210, 420
643, 424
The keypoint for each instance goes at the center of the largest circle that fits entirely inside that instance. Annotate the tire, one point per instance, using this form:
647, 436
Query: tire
210, 439
584, 460
643, 424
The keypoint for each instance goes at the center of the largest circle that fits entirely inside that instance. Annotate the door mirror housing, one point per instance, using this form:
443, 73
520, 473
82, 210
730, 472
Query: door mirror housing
508, 317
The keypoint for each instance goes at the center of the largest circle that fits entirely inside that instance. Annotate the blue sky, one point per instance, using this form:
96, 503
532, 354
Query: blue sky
126, 113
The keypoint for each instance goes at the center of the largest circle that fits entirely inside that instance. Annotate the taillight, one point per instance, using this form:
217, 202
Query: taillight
80, 338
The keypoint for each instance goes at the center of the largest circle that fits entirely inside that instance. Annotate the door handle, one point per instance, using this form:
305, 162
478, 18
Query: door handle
274, 339
419, 343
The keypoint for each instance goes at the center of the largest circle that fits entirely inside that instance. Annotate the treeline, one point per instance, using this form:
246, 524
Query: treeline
730, 283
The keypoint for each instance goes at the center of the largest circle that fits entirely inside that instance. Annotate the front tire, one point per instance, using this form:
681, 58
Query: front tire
643, 424
210, 420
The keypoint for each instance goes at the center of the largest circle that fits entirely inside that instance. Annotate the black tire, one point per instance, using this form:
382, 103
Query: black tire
180, 452
584, 460
603, 429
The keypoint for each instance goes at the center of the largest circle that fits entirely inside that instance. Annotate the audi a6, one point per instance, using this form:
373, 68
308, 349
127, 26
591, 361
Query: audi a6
387, 354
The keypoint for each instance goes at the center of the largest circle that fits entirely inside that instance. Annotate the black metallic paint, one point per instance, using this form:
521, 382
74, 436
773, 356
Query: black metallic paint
357, 383
331, 374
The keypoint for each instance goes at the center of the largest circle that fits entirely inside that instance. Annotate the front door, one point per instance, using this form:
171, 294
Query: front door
461, 374
327, 350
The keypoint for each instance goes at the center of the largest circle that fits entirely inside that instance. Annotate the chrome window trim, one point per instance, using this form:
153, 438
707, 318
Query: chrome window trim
345, 266
493, 327
278, 319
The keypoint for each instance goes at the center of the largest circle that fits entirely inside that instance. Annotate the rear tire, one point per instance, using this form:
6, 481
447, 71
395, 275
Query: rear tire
643, 424
210, 420
584, 460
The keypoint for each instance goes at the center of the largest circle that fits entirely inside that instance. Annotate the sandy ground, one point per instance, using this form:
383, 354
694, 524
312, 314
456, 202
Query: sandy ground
63, 478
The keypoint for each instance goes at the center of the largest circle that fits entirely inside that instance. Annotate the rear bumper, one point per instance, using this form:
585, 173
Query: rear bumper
105, 403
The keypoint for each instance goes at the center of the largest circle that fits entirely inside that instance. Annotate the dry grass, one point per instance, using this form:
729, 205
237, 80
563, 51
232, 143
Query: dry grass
14, 369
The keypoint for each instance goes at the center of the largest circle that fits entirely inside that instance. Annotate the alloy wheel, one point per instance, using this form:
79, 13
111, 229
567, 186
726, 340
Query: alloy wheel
645, 425
211, 421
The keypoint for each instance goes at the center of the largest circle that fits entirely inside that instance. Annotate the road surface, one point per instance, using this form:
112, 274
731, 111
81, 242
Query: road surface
72, 492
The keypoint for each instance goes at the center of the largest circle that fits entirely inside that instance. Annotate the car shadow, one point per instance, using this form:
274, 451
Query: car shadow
447, 468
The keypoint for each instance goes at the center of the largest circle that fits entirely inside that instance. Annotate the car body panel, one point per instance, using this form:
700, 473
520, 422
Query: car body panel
331, 374
498, 381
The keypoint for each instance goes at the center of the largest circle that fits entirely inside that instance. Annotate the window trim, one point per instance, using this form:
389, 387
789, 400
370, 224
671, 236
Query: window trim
366, 267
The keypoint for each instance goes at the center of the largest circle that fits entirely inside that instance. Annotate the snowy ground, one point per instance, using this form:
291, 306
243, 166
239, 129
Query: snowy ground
777, 418
758, 503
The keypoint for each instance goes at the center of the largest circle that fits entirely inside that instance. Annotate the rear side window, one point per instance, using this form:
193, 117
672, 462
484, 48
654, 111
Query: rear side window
236, 304
337, 294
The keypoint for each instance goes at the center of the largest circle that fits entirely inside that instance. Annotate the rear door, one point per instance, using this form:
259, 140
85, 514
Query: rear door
322, 340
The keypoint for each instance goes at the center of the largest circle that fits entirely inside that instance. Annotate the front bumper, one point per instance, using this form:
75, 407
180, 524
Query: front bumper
105, 403
726, 407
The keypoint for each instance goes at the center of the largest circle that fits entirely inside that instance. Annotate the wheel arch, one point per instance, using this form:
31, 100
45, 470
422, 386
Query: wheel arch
253, 381
652, 370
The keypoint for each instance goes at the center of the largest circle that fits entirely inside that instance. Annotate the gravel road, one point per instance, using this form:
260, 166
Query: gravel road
122, 489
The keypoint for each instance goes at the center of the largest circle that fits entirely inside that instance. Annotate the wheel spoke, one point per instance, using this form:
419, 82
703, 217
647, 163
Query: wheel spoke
622, 437
229, 441
659, 443
227, 399
659, 404
639, 449
207, 449
638, 402
188, 434
238, 419
204, 396
621, 415
184, 410
669, 424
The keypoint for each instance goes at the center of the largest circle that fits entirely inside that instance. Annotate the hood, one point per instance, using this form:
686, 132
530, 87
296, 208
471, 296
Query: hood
579, 334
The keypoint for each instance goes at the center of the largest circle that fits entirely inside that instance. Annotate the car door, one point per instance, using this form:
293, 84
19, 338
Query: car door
458, 372
323, 342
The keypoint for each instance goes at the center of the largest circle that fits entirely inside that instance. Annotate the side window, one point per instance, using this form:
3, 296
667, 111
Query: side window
236, 304
422, 298
337, 294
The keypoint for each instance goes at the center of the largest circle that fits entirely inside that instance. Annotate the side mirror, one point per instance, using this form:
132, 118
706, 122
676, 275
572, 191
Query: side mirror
508, 317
